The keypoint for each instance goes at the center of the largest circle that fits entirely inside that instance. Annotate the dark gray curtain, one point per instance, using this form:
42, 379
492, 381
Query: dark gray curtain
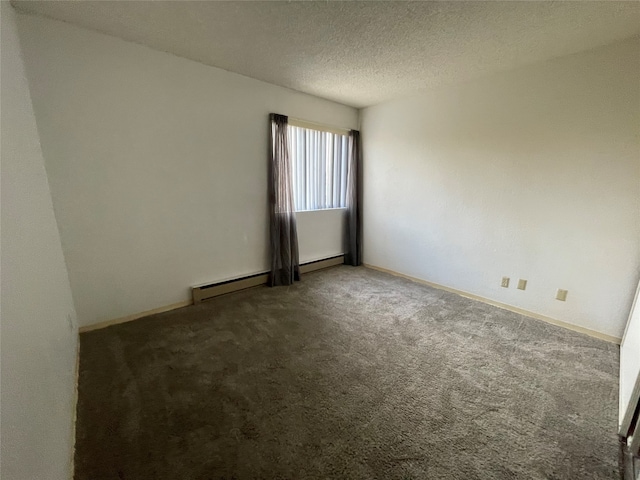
285, 262
353, 236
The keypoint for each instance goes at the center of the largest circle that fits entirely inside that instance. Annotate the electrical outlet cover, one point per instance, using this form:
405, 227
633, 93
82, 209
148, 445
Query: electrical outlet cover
561, 295
505, 282
522, 284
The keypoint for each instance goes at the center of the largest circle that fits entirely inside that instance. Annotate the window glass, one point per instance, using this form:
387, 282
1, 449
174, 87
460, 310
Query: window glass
319, 164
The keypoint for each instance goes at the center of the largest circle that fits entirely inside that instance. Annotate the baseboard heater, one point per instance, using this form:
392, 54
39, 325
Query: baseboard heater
207, 291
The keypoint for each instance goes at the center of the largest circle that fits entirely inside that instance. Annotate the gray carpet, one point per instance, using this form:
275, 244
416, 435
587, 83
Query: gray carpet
350, 374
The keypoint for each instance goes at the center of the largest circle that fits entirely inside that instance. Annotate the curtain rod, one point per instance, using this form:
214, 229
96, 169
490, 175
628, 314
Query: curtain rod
298, 122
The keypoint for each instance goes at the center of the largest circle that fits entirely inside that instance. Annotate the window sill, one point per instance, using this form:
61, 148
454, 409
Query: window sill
320, 210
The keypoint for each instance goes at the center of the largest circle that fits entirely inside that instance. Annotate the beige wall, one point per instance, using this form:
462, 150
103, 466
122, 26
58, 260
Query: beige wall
532, 174
157, 165
38, 330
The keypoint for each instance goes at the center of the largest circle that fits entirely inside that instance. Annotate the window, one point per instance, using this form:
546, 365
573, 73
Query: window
319, 164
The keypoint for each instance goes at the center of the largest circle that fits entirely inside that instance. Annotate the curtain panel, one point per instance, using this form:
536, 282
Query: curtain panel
285, 261
353, 230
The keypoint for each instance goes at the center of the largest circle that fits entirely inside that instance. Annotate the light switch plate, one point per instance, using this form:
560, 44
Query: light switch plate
561, 295
522, 284
505, 282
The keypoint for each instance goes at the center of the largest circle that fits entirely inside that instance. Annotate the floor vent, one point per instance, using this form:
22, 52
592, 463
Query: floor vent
207, 291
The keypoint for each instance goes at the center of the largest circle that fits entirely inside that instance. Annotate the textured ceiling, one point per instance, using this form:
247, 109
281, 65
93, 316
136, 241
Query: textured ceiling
356, 53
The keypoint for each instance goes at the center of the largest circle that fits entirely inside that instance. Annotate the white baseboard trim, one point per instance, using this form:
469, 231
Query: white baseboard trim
504, 306
135, 316
313, 265
206, 291
254, 280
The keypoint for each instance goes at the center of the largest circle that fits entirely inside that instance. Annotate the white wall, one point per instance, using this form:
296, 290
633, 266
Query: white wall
630, 366
320, 233
38, 332
157, 165
531, 174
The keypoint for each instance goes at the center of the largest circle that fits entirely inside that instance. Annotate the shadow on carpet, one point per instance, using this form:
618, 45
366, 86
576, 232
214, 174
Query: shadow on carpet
349, 374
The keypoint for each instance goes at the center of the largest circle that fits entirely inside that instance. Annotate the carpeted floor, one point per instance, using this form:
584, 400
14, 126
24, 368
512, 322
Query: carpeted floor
350, 374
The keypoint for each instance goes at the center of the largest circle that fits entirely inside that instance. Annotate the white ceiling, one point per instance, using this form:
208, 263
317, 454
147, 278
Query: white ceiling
356, 53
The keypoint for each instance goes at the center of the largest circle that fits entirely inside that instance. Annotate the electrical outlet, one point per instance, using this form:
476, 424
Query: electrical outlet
505, 282
522, 284
561, 295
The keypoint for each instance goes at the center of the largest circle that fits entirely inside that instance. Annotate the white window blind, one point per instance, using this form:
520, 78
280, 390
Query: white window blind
319, 164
